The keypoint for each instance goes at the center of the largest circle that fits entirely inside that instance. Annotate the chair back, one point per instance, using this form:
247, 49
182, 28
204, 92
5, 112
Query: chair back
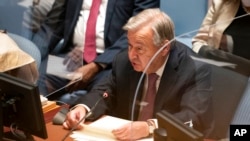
228, 89
28, 47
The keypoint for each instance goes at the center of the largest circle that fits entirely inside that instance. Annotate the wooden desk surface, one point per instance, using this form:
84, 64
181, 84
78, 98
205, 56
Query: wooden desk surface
55, 133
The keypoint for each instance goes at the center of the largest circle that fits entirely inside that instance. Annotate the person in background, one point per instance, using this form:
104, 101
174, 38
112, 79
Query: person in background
14, 61
67, 21
224, 34
34, 16
181, 85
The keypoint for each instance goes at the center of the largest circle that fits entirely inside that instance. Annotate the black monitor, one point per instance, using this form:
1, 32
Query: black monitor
20, 110
175, 129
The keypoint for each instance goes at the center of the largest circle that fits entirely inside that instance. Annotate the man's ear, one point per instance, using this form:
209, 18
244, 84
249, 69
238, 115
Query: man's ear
166, 49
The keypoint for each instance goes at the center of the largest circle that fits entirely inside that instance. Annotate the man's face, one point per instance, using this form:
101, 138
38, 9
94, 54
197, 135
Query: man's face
142, 49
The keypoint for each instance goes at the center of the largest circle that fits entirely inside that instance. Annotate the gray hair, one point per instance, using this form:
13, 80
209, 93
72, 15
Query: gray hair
160, 22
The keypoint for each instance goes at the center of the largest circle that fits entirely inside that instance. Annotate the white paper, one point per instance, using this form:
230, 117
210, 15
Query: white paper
214, 62
56, 67
100, 130
44, 100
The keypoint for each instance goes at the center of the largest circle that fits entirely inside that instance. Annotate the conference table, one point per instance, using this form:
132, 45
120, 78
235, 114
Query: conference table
55, 133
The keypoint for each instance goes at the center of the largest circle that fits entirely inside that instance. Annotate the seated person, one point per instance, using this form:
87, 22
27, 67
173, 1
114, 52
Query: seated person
178, 84
68, 21
34, 16
224, 34
16, 62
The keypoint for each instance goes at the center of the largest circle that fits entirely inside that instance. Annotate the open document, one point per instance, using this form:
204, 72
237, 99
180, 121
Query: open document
56, 67
101, 130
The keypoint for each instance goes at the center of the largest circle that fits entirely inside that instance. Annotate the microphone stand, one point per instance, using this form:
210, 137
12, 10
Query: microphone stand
86, 116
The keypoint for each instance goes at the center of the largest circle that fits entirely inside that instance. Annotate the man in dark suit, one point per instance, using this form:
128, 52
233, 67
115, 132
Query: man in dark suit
183, 85
64, 21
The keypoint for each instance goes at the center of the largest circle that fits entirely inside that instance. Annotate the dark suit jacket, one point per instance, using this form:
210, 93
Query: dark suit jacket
184, 90
62, 19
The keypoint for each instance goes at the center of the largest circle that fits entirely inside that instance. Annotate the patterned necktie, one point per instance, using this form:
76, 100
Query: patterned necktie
89, 53
147, 110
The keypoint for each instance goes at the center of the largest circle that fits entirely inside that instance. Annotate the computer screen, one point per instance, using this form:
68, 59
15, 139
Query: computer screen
21, 109
175, 129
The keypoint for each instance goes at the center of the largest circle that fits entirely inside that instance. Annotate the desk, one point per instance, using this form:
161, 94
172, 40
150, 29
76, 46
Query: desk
55, 133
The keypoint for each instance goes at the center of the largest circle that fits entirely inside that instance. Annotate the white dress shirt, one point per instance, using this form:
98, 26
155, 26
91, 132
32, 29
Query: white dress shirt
80, 29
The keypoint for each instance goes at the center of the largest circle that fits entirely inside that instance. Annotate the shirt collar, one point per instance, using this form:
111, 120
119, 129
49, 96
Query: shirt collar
161, 69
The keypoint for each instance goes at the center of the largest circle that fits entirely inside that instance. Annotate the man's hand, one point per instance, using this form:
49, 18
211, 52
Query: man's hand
132, 131
74, 59
73, 117
87, 72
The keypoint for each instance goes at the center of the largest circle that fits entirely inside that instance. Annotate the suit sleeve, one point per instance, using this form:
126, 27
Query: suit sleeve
196, 103
202, 37
107, 84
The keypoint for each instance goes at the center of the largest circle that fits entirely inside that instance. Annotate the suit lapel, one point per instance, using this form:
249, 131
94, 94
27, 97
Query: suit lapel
225, 19
109, 14
134, 79
72, 16
168, 80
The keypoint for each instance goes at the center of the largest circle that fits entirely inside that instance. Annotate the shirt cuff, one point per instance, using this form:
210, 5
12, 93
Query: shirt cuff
154, 122
230, 43
196, 48
83, 105
102, 65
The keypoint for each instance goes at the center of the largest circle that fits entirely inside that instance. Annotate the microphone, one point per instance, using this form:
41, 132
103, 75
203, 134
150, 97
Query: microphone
104, 95
53, 95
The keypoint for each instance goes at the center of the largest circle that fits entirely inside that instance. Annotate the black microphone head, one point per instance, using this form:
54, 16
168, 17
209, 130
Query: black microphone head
106, 94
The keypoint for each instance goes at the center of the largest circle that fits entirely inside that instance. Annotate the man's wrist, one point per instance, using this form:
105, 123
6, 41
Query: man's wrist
81, 105
151, 126
102, 65
98, 67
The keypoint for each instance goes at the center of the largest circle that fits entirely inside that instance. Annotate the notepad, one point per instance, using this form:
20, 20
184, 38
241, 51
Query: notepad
56, 67
101, 130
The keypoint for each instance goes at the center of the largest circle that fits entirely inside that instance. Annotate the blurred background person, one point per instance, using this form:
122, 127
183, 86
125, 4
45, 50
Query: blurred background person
34, 16
14, 61
224, 34
67, 21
